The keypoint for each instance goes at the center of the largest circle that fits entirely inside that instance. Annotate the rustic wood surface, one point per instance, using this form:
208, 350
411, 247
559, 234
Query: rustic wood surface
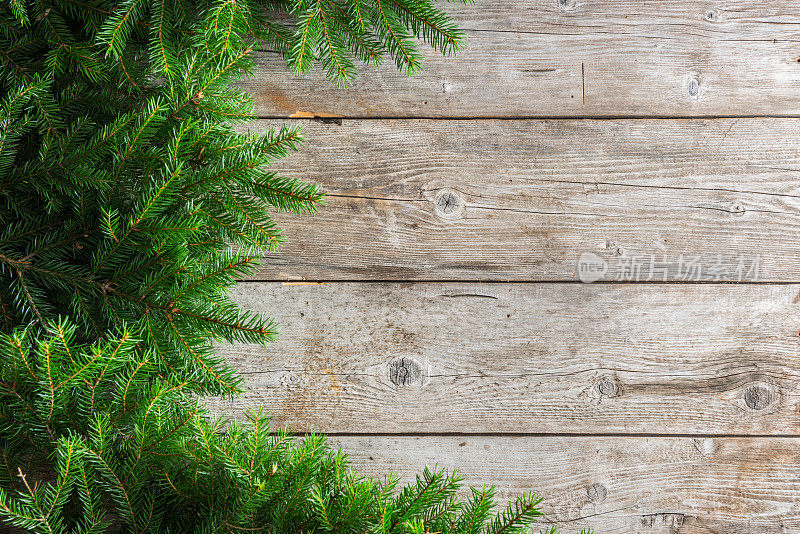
623, 485
575, 58
658, 142
393, 358
522, 200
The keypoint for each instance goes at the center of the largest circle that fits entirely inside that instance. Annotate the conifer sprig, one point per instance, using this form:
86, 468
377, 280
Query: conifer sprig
130, 202
133, 452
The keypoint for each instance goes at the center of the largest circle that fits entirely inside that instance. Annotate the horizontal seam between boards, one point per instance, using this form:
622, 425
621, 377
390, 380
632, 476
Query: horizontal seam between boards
323, 281
549, 434
598, 117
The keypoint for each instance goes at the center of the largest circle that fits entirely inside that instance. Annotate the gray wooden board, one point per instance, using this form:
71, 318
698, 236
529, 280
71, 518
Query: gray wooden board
525, 358
574, 58
620, 485
675, 200
620, 403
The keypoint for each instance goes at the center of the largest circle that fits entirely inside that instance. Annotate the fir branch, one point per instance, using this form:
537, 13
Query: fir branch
231, 388
123, 186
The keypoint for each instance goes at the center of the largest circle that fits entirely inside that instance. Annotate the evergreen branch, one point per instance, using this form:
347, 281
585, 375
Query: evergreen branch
50, 386
119, 344
167, 275
40, 420
119, 486
430, 480
149, 205
78, 372
262, 230
152, 113
17, 512
406, 56
61, 335
451, 35
20, 12
104, 136
29, 298
158, 26
302, 49
63, 481
235, 267
158, 397
368, 51
89, 7
114, 32
25, 260
128, 384
84, 309
516, 516
32, 494
219, 73
260, 330
27, 233
189, 418
201, 361
341, 69
124, 187
156, 344
7, 317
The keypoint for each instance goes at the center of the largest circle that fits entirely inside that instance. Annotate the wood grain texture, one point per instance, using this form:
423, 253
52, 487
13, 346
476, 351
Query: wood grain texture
574, 58
617, 485
525, 358
543, 385
523, 199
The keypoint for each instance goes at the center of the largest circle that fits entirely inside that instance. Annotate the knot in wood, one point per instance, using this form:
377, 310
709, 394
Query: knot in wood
566, 4
757, 397
711, 16
609, 387
447, 202
405, 372
693, 87
597, 493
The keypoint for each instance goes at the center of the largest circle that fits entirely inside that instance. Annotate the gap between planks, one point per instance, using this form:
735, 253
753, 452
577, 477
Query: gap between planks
336, 119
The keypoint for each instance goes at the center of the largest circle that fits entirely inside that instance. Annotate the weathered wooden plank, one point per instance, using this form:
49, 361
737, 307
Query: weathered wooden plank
617, 484
584, 58
523, 199
525, 358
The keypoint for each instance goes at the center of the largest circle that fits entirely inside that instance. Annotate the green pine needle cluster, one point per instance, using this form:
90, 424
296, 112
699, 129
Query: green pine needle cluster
130, 451
130, 203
